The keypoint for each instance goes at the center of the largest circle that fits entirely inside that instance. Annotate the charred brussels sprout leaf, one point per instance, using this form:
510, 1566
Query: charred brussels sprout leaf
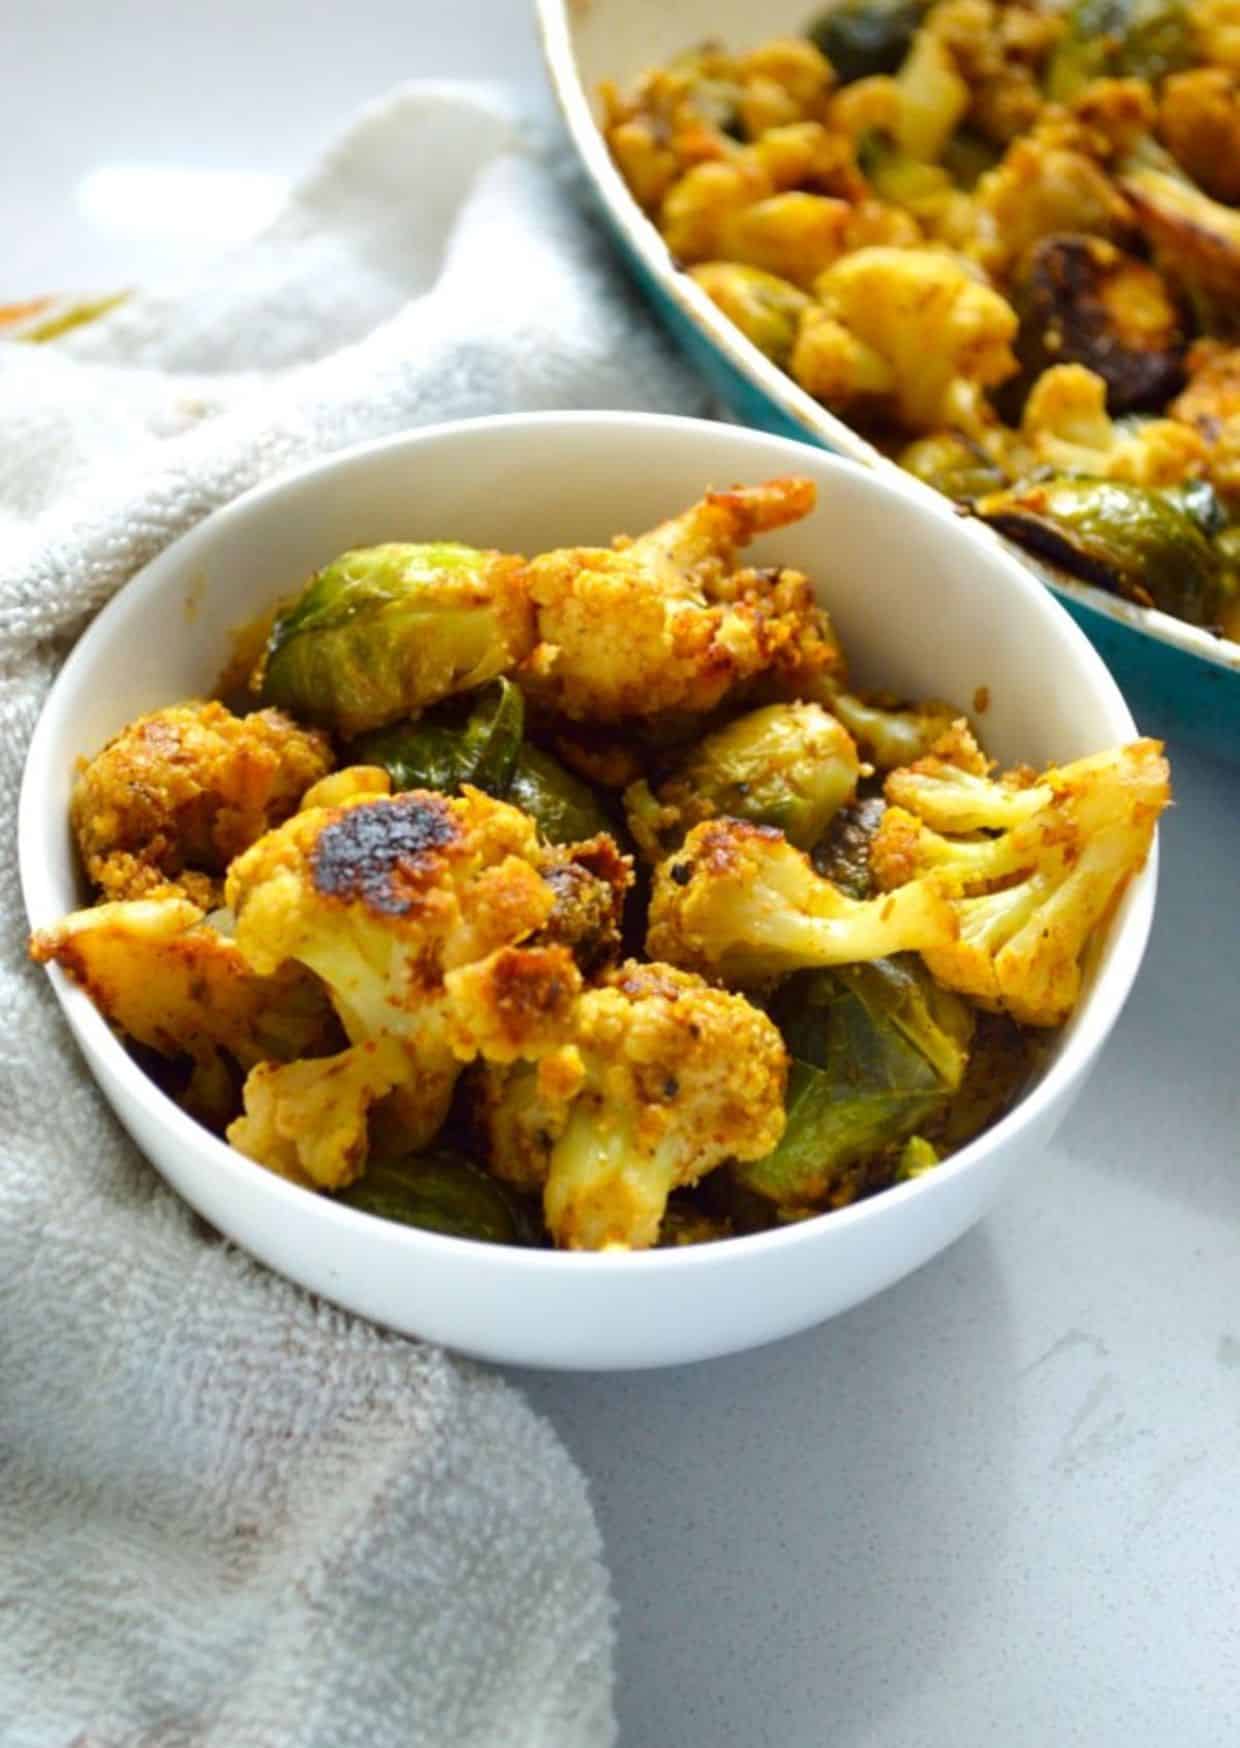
388, 630
1138, 542
843, 855
1199, 501
1002, 1060
862, 37
565, 810
439, 751
440, 1192
877, 1051
765, 308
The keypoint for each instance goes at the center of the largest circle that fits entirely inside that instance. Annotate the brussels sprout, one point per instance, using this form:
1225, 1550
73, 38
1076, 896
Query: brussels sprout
877, 1050
862, 37
792, 766
1134, 540
954, 465
387, 630
843, 855
1002, 1060
565, 810
1083, 301
766, 308
440, 751
1199, 500
441, 1192
1196, 242
1137, 39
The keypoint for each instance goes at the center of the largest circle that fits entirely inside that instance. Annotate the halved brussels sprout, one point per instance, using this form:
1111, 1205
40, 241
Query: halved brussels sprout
764, 307
792, 766
954, 465
1136, 39
385, 631
877, 1051
863, 37
1083, 301
440, 1192
1138, 542
442, 751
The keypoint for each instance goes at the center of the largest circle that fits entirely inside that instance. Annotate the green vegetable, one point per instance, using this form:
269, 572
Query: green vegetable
766, 308
863, 37
1136, 39
967, 156
388, 630
843, 855
1002, 1060
440, 1192
877, 1051
792, 766
1138, 542
1199, 501
440, 751
563, 807
954, 465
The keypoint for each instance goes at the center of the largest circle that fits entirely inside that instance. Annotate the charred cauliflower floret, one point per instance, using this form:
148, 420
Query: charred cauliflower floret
1068, 429
180, 792
667, 622
161, 973
412, 909
589, 882
1038, 863
665, 1078
907, 333
737, 901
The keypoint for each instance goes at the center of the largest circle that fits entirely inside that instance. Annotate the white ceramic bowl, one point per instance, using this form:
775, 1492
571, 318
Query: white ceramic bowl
1187, 679
921, 605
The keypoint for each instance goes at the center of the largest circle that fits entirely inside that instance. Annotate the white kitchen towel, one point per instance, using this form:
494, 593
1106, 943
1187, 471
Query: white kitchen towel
232, 1517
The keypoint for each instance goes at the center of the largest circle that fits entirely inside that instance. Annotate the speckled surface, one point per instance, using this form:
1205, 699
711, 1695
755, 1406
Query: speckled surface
998, 1506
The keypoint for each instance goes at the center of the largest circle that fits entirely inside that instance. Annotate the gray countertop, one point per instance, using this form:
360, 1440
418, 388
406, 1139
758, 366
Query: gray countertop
997, 1507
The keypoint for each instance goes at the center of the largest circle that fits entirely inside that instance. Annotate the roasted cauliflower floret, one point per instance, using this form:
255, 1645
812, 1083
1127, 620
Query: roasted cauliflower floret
589, 882
665, 1079
907, 333
180, 792
667, 622
159, 971
1046, 182
1199, 121
1038, 863
780, 204
1216, 25
1210, 405
413, 910
737, 901
1000, 50
1067, 428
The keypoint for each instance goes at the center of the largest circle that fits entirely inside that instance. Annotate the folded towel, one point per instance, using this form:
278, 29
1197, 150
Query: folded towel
231, 1516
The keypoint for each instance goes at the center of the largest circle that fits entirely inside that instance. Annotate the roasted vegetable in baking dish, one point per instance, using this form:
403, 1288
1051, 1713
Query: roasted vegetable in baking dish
986, 233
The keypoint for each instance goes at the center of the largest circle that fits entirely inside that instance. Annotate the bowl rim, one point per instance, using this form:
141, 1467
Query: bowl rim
107, 1056
826, 428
